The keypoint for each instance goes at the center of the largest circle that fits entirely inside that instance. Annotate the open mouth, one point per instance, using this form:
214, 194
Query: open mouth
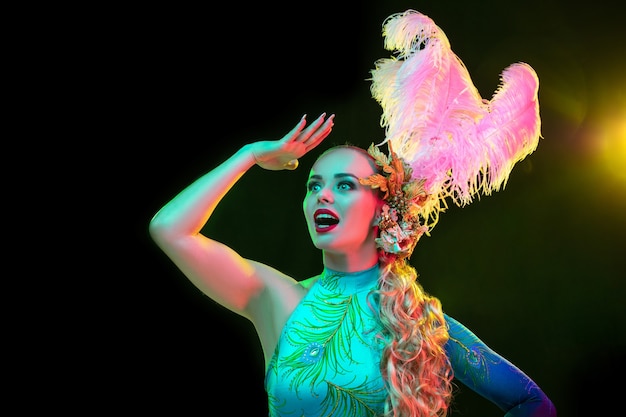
325, 220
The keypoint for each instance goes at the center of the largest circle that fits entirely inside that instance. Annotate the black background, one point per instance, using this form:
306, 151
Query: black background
167, 92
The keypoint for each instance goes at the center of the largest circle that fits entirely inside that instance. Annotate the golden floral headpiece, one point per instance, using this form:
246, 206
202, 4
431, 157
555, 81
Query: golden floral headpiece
434, 116
399, 225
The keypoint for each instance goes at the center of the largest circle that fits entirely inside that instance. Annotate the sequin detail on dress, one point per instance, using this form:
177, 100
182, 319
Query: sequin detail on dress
327, 360
313, 353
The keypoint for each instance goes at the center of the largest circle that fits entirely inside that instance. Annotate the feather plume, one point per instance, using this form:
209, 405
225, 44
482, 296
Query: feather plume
436, 120
512, 127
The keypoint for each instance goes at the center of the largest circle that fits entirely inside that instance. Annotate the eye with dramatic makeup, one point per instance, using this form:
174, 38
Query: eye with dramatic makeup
313, 186
346, 185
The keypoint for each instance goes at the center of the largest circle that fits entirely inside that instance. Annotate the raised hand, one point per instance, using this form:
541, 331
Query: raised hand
284, 153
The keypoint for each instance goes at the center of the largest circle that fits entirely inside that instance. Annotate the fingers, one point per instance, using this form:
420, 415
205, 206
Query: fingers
313, 134
295, 132
320, 133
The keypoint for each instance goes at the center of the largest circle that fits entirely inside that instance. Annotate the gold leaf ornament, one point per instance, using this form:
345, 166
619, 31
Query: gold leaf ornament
400, 228
376, 181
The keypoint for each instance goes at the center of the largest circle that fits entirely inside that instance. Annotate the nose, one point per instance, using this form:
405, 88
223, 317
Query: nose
325, 195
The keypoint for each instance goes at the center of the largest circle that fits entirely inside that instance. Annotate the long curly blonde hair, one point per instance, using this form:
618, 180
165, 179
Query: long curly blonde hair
414, 362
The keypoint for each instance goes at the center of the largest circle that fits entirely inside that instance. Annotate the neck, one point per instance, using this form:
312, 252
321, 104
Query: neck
349, 262
350, 282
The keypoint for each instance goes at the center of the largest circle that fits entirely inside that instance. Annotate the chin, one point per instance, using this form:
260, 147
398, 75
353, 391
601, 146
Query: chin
325, 246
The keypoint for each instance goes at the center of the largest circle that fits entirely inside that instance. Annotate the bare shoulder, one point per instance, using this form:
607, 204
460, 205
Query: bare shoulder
280, 289
271, 276
307, 283
270, 310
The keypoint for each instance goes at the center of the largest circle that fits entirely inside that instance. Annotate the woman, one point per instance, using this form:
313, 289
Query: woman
343, 219
361, 338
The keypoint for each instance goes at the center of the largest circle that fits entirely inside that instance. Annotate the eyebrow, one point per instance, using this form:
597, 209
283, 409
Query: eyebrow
339, 175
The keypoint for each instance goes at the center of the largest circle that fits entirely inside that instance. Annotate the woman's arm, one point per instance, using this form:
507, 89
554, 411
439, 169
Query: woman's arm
493, 377
213, 267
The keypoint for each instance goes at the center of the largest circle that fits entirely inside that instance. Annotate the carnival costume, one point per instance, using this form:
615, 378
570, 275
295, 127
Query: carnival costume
445, 143
327, 360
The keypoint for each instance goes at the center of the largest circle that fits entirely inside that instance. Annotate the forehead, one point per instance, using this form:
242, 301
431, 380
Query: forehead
343, 160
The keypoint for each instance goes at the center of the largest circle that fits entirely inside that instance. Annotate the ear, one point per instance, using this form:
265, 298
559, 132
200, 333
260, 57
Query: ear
378, 216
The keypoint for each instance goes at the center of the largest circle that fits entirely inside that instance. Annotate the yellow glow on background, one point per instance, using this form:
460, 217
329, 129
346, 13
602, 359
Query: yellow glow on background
613, 145
542, 261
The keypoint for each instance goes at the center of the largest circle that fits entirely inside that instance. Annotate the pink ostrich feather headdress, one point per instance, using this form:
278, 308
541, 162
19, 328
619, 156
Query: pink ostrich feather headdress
435, 119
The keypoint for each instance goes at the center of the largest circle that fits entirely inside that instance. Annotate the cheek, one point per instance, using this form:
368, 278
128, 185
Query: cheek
362, 217
306, 210
363, 214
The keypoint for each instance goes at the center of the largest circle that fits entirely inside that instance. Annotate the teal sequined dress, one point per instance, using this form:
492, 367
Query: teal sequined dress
326, 363
327, 360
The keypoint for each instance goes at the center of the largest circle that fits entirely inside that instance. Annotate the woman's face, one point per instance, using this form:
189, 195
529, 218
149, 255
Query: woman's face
340, 212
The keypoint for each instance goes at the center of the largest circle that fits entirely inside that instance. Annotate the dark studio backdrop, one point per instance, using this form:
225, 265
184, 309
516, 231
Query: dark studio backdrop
536, 271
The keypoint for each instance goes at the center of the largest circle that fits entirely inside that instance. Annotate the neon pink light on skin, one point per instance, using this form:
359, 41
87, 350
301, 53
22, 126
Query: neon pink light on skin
328, 228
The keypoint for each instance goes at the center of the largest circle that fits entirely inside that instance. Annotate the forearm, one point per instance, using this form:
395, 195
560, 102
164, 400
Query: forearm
493, 376
538, 405
188, 212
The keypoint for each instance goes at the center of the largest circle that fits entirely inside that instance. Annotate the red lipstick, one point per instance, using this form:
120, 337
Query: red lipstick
325, 220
